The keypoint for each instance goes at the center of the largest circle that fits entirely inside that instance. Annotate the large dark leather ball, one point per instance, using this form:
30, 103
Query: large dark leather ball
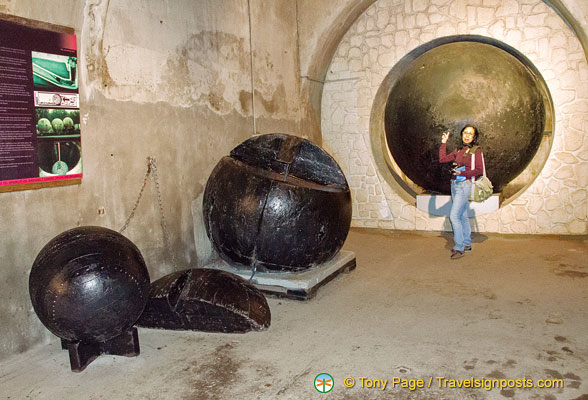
277, 203
89, 284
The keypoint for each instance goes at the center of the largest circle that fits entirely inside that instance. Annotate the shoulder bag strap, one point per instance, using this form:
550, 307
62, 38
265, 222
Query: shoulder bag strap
473, 165
472, 186
473, 177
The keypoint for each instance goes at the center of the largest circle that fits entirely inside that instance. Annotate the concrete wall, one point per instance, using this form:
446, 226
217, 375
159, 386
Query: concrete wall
168, 79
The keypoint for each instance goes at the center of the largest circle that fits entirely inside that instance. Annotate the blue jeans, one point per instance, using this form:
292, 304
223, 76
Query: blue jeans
462, 232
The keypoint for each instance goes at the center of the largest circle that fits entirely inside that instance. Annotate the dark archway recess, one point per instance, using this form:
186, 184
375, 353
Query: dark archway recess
465, 80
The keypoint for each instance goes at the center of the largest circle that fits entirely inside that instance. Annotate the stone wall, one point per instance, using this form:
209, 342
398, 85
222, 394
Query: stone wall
554, 203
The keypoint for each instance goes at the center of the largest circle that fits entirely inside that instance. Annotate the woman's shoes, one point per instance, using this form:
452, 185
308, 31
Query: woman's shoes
467, 248
455, 254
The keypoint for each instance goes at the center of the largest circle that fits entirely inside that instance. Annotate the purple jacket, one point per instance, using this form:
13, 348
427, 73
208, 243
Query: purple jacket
462, 158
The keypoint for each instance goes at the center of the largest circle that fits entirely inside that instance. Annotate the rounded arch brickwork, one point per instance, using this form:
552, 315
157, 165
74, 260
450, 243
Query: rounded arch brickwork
386, 32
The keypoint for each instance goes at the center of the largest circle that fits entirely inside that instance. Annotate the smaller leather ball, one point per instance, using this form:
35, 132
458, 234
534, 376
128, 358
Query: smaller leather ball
89, 284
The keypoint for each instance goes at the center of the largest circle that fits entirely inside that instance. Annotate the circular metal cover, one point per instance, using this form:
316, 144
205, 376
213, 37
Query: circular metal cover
463, 83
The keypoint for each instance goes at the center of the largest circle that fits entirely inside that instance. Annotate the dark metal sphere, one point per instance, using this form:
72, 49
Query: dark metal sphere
89, 284
278, 203
457, 84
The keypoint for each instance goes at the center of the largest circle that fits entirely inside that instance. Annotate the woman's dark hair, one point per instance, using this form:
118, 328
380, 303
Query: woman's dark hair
474, 141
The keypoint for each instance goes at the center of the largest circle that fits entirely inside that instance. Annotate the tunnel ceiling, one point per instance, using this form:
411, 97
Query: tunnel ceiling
461, 83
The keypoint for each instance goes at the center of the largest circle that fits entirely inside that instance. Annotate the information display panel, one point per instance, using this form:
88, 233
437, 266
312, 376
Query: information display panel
40, 138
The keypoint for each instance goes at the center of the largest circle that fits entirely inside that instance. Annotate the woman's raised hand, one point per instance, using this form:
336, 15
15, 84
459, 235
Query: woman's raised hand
444, 137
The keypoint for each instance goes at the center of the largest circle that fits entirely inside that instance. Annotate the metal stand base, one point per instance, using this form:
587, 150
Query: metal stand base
295, 285
81, 354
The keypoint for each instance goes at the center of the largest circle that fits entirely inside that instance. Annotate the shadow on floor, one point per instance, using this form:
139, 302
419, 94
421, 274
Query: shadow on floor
448, 236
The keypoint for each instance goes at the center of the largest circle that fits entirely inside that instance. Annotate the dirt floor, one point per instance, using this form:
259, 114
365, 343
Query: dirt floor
514, 312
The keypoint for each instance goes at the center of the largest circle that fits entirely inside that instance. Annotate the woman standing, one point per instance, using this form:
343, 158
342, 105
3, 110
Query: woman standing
461, 182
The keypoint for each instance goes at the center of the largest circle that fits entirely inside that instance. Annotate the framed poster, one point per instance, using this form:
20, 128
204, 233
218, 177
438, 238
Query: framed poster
40, 138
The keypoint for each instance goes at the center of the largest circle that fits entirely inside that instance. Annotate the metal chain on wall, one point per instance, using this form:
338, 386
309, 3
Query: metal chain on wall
152, 170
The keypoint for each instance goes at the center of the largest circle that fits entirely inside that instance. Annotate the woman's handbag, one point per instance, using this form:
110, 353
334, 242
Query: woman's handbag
482, 187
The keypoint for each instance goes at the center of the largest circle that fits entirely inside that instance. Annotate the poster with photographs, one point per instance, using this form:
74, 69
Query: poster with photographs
40, 138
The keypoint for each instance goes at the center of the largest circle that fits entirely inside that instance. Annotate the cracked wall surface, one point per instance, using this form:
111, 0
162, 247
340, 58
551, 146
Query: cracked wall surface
168, 79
